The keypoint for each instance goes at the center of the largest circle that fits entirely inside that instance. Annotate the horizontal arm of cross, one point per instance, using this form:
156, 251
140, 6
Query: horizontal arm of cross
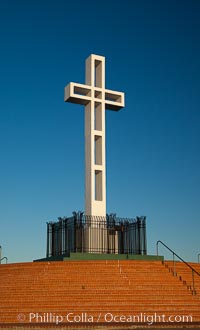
114, 100
83, 94
77, 93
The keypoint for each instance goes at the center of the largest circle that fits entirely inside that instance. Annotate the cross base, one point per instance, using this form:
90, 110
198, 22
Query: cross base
89, 234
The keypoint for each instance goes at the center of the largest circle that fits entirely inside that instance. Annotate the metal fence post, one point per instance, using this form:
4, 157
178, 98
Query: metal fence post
157, 248
174, 264
193, 288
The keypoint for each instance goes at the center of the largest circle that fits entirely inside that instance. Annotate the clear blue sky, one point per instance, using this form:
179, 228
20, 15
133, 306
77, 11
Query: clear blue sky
152, 51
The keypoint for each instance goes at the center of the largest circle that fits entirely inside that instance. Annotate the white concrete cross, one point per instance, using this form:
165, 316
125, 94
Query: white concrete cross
96, 99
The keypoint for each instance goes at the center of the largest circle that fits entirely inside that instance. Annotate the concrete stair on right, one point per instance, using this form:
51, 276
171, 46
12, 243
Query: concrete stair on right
185, 274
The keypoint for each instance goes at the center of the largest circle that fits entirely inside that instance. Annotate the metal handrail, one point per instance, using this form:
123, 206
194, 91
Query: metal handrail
199, 258
3, 259
174, 264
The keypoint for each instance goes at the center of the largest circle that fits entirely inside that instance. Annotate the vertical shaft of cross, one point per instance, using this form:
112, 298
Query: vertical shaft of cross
95, 194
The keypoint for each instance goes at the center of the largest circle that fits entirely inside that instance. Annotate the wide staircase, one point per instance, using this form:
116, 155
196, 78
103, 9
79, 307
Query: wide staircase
106, 293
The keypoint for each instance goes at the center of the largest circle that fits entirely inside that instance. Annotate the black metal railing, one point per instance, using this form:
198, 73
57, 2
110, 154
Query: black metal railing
193, 271
4, 258
93, 234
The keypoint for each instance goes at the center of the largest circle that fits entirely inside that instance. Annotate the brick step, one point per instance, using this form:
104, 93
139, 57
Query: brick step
101, 280
82, 288
91, 294
186, 294
100, 293
112, 301
163, 309
97, 309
